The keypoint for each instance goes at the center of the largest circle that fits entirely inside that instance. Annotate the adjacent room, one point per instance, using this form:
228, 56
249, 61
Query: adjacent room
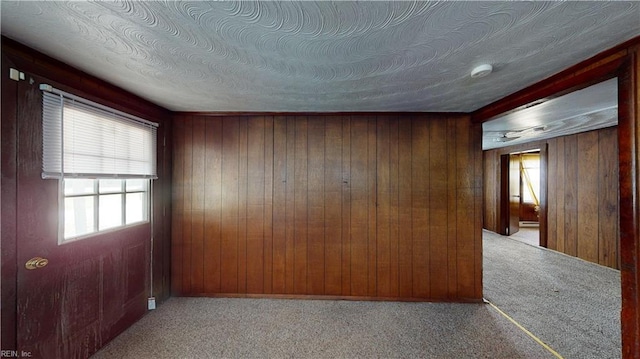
320, 179
551, 189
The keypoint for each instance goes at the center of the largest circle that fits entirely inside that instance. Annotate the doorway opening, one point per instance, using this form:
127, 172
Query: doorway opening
553, 167
523, 186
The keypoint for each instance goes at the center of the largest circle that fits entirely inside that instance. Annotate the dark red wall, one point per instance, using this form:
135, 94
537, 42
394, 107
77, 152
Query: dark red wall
98, 286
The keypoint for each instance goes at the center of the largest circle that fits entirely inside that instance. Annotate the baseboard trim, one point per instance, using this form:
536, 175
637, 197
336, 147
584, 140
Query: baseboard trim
330, 297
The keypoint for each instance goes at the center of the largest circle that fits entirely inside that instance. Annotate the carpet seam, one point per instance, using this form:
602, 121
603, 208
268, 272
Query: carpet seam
536, 339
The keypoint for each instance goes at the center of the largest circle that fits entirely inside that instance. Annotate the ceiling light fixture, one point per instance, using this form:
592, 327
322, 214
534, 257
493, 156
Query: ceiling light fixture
481, 71
514, 135
526, 132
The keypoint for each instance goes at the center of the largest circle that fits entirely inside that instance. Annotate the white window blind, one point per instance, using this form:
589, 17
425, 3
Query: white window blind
83, 139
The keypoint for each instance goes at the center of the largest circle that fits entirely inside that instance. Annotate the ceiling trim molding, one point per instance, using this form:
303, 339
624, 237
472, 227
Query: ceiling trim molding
600, 67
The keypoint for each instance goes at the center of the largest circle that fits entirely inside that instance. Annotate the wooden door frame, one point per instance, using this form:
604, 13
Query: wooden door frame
544, 195
502, 217
622, 62
629, 153
514, 206
503, 203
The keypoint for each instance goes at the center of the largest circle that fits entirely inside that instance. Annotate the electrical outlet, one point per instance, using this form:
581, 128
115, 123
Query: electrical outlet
151, 304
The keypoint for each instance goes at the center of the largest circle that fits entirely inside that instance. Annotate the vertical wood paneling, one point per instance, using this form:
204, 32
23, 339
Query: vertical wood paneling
464, 214
405, 209
187, 214
268, 204
383, 220
177, 243
316, 198
420, 207
438, 211
197, 205
372, 203
394, 207
301, 209
346, 205
474, 149
230, 172
608, 212
255, 204
279, 204
452, 208
571, 195
213, 205
243, 198
333, 206
367, 206
587, 243
359, 207
290, 206
490, 190
552, 208
560, 189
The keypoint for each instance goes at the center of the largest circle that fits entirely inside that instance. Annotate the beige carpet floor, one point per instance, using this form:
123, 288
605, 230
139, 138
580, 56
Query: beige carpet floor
528, 235
266, 328
571, 305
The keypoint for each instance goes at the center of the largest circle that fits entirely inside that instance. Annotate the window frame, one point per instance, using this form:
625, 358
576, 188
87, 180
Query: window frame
85, 140
96, 194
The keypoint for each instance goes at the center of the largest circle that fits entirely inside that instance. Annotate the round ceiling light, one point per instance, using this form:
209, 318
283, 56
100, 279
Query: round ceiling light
481, 71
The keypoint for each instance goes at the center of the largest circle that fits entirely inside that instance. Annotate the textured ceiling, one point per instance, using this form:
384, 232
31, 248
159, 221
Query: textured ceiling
587, 109
320, 56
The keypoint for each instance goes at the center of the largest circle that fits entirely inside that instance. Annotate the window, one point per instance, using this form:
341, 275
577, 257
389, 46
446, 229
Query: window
530, 167
97, 205
104, 160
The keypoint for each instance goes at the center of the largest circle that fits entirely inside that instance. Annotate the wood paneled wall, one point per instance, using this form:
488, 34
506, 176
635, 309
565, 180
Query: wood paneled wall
366, 206
491, 190
583, 211
582, 194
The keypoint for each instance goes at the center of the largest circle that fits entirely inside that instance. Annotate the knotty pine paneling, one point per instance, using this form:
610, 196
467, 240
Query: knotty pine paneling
367, 206
582, 194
